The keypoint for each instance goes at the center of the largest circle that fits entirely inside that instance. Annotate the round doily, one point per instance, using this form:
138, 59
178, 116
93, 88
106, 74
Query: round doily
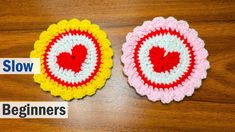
76, 59
164, 59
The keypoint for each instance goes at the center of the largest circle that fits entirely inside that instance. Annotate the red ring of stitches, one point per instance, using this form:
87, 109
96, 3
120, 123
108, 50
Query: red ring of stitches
179, 80
53, 41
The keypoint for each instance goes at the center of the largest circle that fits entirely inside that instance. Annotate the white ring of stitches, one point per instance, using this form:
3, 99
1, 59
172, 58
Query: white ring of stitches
169, 43
65, 44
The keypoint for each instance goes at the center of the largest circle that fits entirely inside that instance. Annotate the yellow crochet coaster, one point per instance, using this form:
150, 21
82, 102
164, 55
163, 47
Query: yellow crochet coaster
75, 57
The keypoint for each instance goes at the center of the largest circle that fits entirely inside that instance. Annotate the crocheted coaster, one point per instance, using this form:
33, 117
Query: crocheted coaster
76, 59
164, 59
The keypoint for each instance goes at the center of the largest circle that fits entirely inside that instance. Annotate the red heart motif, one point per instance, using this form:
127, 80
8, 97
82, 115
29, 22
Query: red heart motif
73, 61
161, 62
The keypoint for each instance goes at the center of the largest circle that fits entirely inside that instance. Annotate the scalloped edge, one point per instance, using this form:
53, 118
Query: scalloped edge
69, 93
189, 85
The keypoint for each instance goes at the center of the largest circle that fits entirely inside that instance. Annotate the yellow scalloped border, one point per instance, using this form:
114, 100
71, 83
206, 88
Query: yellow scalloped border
68, 93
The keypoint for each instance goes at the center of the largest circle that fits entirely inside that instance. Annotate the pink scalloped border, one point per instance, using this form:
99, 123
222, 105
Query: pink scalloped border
188, 86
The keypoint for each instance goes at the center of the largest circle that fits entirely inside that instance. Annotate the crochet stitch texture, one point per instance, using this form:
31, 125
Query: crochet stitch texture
76, 59
164, 59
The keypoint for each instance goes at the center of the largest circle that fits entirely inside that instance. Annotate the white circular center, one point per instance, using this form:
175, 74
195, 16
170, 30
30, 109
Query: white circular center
170, 43
66, 44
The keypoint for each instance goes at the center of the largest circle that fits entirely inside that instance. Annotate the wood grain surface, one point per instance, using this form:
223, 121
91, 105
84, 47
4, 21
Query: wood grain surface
117, 107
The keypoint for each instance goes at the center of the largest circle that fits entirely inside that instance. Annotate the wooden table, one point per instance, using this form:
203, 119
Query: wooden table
117, 106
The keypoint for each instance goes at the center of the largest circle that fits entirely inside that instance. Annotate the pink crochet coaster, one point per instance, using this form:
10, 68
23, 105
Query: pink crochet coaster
164, 59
